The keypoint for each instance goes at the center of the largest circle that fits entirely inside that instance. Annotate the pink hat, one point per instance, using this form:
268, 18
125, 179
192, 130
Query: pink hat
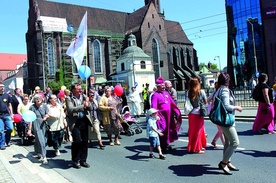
160, 81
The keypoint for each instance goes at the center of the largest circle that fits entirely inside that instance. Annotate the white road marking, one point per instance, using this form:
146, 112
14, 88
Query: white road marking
221, 146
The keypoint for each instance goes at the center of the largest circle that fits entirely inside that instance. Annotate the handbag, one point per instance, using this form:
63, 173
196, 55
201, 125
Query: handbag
49, 135
202, 108
188, 107
219, 115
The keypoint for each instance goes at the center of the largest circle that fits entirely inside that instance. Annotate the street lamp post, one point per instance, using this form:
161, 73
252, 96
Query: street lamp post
219, 62
249, 20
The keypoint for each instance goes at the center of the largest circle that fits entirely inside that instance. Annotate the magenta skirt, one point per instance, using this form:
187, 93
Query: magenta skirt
264, 118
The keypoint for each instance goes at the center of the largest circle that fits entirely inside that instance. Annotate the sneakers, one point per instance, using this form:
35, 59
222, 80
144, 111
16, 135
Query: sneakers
57, 153
45, 161
161, 156
117, 143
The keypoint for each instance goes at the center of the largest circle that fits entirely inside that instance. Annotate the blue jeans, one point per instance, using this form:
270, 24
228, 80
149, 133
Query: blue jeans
5, 123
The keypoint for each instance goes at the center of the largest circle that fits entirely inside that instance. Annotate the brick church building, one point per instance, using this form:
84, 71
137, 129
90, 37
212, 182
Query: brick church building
52, 26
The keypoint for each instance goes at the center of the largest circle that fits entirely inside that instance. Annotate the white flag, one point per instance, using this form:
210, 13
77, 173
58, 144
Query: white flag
78, 47
12, 85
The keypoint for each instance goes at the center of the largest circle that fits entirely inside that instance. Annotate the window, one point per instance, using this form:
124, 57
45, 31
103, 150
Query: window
122, 66
148, 25
143, 65
51, 60
97, 56
156, 57
161, 63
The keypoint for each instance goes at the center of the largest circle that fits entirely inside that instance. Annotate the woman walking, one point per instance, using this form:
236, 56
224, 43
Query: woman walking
196, 131
265, 114
39, 127
230, 133
109, 105
57, 122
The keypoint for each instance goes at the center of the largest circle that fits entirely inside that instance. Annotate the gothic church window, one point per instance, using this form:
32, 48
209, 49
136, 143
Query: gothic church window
50, 54
97, 52
156, 57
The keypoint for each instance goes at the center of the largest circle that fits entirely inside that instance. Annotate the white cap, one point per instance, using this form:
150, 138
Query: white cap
152, 110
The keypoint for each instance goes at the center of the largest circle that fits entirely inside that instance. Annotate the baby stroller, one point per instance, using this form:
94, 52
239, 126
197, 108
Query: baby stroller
128, 122
26, 140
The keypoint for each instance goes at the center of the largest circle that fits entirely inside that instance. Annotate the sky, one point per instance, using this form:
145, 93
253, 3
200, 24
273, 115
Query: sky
203, 22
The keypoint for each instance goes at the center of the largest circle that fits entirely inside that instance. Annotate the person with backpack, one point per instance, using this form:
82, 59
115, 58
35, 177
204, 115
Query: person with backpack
265, 113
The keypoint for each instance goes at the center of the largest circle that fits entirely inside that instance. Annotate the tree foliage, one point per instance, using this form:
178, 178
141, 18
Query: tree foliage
209, 66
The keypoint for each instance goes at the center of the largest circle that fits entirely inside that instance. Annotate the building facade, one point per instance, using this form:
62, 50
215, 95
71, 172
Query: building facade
51, 28
251, 41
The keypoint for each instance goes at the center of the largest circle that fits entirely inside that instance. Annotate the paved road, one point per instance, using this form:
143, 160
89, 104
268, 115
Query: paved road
130, 163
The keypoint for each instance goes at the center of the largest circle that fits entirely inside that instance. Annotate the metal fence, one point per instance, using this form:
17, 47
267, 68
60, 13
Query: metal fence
242, 97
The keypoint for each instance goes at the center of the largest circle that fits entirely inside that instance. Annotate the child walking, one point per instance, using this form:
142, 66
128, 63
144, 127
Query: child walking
153, 133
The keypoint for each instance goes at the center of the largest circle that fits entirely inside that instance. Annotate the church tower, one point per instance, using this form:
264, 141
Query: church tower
156, 4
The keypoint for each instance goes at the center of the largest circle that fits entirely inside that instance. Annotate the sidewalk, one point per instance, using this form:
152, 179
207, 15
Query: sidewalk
18, 166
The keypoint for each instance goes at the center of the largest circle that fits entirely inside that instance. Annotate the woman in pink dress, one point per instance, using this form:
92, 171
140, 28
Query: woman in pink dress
265, 114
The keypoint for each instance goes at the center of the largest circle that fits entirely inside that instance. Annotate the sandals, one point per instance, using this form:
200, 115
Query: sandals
111, 144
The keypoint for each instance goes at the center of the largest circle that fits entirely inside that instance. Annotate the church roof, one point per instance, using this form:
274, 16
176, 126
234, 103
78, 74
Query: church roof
175, 33
135, 19
102, 19
98, 19
133, 51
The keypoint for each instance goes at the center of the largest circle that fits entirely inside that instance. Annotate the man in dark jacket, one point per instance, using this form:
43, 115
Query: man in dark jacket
78, 110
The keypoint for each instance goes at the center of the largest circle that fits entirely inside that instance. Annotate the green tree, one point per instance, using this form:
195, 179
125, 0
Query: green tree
212, 66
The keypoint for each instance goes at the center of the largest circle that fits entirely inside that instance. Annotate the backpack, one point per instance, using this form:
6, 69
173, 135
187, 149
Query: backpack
256, 93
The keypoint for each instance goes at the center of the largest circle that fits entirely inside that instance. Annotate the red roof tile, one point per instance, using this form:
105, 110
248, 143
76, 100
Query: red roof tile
9, 61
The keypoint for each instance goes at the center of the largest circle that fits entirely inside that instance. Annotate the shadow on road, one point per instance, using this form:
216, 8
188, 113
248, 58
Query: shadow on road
257, 154
192, 170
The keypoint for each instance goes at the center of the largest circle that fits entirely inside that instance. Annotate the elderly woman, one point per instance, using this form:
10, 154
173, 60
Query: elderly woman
109, 105
39, 127
230, 133
57, 122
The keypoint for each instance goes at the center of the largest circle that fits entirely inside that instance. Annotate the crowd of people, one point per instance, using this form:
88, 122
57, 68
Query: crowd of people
82, 115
